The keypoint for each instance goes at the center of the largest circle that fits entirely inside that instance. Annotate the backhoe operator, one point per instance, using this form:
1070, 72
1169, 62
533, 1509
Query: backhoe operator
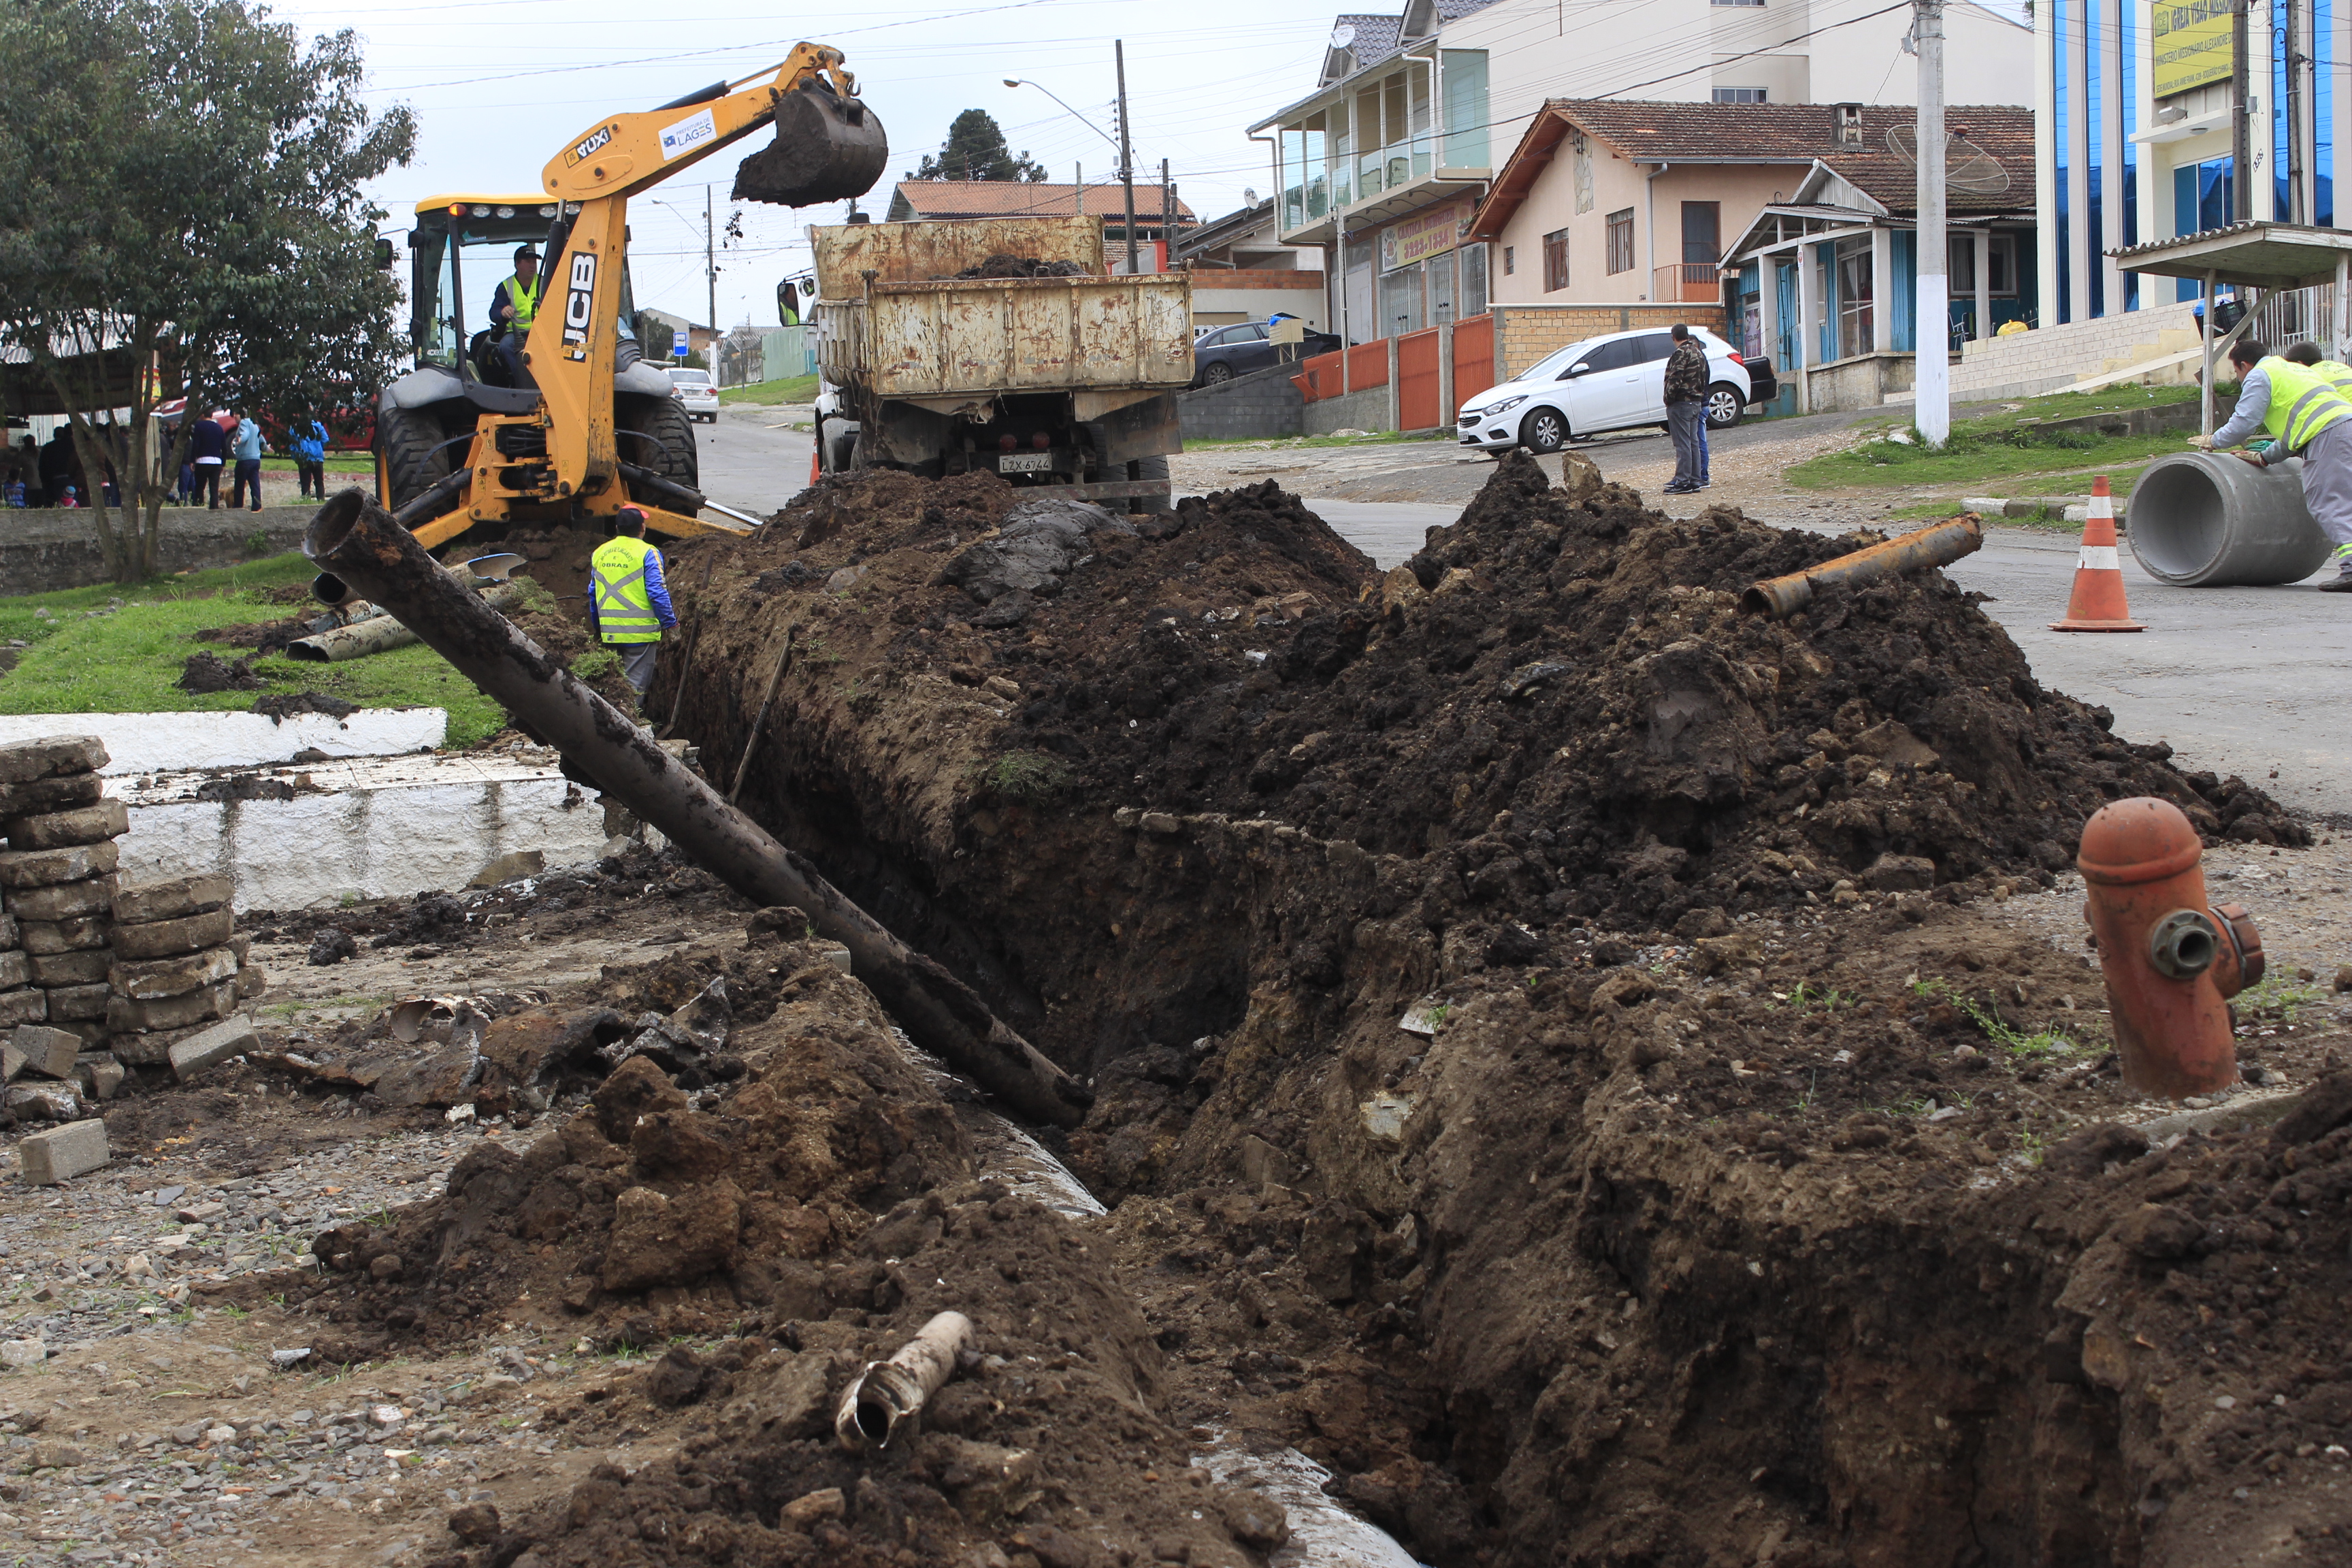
513, 304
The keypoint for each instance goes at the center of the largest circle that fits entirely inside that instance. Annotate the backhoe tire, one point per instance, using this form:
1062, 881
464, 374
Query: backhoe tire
664, 419
410, 454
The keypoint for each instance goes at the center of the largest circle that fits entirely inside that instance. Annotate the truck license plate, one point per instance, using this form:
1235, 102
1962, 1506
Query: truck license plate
1025, 463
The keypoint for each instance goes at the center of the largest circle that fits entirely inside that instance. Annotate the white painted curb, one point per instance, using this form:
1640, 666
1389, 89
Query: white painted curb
174, 742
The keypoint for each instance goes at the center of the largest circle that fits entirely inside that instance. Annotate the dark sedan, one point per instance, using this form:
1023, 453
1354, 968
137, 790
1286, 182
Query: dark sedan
1223, 352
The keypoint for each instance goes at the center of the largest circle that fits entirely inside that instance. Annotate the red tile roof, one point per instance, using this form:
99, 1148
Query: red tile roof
1795, 133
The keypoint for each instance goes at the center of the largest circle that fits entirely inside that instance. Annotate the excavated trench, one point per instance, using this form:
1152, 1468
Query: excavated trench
1559, 1063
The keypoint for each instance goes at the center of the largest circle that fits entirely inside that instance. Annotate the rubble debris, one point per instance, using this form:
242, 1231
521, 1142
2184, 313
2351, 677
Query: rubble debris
61, 1153
279, 707
333, 945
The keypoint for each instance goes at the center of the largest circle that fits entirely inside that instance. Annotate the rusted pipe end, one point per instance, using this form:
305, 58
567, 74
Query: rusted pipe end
332, 524
2142, 840
305, 651
1778, 598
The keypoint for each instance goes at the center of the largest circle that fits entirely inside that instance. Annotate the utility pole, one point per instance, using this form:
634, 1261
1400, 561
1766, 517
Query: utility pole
1167, 220
1931, 316
710, 276
2295, 210
1127, 149
2241, 183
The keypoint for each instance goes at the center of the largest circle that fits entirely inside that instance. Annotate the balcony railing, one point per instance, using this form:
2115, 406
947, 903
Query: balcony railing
1689, 283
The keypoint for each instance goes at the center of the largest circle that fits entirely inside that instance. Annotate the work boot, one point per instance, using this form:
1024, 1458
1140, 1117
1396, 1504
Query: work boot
2342, 557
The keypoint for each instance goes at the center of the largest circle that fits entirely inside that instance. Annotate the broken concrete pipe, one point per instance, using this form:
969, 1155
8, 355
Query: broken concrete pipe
888, 1392
1778, 598
2171, 963
358, 544
379, 633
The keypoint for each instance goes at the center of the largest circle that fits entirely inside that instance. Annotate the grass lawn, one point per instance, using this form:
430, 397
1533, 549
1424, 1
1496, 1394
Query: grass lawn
791, 389
336, 463
1996, 453
85, 657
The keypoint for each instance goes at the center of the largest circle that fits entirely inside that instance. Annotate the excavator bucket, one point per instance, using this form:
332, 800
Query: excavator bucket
827, 149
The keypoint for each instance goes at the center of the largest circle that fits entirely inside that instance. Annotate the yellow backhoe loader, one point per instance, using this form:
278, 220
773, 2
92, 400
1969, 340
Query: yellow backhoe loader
576, 420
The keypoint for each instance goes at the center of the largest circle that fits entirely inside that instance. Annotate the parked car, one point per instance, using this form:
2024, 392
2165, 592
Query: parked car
1223, 352
694, 389
1617, 382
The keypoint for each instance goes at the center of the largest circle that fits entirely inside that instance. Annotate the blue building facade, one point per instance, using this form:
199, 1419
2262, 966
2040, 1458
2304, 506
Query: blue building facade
2134, 133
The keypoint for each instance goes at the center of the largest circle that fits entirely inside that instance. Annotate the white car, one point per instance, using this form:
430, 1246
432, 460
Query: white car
693, 388
1617, 382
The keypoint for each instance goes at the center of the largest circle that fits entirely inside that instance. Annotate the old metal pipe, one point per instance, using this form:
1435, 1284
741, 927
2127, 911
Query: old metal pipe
2171, 963
378, 634
2206, 520
358, 541
888, 1392
1940, 544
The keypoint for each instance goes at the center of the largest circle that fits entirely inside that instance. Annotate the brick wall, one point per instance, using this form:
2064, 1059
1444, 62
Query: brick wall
2051, 357
1525, 333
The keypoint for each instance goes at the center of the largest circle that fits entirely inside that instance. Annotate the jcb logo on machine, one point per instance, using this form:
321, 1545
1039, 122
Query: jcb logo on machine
579, 305
592, 144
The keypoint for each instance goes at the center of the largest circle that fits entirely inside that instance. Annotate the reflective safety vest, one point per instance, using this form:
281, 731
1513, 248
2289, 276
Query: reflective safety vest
2337, 375
524, 298
2304, 402
616, 577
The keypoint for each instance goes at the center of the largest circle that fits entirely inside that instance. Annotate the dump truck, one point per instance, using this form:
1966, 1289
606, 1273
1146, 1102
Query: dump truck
1000, 344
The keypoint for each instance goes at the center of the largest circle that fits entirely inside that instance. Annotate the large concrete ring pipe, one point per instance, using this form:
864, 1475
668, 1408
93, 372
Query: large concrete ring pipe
2206, 520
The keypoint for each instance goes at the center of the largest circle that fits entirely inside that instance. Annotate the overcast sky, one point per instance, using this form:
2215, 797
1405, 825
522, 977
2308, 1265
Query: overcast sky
499, 86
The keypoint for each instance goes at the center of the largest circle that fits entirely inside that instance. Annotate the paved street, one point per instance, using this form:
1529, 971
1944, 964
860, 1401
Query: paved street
752, 461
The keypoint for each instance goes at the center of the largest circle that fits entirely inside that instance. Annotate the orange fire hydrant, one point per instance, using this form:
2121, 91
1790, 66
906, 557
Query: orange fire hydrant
2171, 963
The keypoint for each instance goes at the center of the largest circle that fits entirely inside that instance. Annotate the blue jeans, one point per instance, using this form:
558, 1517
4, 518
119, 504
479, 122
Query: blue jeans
248, 473
1686, 422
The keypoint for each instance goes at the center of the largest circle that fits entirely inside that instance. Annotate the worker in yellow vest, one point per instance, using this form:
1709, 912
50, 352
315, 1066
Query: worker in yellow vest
629, 600
514, 303
2304, 416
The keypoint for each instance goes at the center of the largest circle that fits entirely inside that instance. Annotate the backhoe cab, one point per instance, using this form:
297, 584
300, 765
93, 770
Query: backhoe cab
576, 422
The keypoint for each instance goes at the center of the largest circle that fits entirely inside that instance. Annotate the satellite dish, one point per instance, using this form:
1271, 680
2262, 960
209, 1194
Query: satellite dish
1969, 169
1342, 36
1249, 196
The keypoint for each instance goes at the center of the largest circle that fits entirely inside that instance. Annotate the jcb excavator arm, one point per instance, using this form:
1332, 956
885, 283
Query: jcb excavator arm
828, 148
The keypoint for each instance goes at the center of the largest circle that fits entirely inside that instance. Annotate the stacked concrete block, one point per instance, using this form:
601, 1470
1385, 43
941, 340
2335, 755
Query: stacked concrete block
57, 883
175, 965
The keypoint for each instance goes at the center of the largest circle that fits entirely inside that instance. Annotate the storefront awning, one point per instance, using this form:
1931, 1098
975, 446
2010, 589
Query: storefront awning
2252, 254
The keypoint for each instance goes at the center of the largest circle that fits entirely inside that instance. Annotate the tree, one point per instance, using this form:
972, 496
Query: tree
181, 211
975, 149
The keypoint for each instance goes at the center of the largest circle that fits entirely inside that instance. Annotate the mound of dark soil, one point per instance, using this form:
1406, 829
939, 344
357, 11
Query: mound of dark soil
278, 707
264, 637
207, 672
1017, 267
1561, 694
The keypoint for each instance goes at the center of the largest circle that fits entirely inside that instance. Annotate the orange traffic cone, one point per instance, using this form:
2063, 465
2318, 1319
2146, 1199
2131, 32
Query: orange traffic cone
2097, 605
816, 470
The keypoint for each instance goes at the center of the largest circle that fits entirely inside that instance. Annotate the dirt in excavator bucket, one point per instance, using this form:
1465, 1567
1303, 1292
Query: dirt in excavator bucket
827, 149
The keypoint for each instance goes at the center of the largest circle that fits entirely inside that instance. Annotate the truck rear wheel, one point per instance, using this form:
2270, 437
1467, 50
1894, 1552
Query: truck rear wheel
410, 455
668, 449
1149, 469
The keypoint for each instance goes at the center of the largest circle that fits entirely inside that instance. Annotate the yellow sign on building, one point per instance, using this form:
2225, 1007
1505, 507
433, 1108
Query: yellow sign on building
2190, 42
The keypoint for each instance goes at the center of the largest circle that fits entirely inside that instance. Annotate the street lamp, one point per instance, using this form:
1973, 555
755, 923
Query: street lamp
1074, 114
1121, 142
710, 266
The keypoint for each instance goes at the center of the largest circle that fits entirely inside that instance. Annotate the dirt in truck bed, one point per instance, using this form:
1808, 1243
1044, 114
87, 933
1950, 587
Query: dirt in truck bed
1594, 1077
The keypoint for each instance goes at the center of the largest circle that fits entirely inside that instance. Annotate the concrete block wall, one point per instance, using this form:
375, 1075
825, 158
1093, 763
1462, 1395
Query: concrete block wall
1525, 333
1365, 410
2047, 358
1262, 404
45, 551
